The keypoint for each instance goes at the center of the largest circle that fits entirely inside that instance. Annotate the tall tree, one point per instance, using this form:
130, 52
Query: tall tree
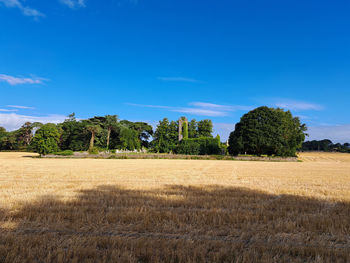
110, 123
74, 136
129, 138
192, 129
143, 129
25, 133
3, 136
161, 137
94, 127
173, 133
205, 128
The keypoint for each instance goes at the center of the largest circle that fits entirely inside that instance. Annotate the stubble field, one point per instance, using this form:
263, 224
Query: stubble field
94, 210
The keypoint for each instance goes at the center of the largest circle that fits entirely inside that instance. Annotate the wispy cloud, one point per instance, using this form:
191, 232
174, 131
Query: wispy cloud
201, 112
13, 121
149, 106
178, 79
26, 10
20, 80
200, 108
73, 3
221, 107
7, 110
20, 107
336, 133
298, 105
193, 111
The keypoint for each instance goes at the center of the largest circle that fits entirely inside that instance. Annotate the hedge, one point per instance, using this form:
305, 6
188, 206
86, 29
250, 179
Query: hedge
199, 146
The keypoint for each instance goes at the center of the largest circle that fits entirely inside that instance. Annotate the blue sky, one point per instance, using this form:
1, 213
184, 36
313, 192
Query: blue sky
149, 59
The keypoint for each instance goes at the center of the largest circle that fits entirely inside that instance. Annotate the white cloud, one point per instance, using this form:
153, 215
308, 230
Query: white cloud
221, 107
20, 80
20, 107
298, 105
27, 11
201, 112
149, 106
73, 3
178, 79
13, 121
336, 133
200, 108
7, 110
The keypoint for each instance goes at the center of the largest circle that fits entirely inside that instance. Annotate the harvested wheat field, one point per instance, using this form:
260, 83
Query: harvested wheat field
93, 210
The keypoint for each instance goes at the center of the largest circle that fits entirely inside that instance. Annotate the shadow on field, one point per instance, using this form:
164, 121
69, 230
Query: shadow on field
176, 224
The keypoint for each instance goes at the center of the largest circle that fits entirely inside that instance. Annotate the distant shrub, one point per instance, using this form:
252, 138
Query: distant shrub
113, 151
93, 150
64, 153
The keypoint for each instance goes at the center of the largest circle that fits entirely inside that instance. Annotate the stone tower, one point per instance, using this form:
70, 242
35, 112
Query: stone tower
183, 128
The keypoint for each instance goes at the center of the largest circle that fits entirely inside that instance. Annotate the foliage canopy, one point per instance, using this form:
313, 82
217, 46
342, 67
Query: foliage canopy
267, 131
46, 139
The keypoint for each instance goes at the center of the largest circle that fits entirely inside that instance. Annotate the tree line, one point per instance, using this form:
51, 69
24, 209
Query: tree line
102, 133
262, 131
325, 146
107, 132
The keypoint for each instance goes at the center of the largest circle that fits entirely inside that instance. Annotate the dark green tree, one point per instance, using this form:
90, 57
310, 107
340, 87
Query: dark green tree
110, 123
205, 128
25, 133
192, 129
46, 139
173, 133
267, 131
9, 141
94, 126
3, 136
74, 136
160, 141
93, 129
129, 139
323, 145
143, 129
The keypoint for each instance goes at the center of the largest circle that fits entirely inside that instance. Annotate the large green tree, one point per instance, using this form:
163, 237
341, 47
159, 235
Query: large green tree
25, 133
144, 131
268, 131
192, 129
205, 128
93, 128
46, 139
173, 133
110, 123
9, 141
3, 136
129, 139
161, 142
74, 136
